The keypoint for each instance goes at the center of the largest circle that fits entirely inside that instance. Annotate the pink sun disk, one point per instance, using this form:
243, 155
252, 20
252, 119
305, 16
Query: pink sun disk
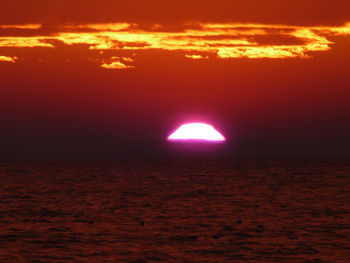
196, 132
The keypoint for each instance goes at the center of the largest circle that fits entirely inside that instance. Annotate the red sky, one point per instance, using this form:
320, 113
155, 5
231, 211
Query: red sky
273, 76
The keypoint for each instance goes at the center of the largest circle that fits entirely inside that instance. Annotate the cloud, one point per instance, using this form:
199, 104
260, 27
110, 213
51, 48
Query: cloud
220, 40
196, 56
35, 41
28, 26
117, 63
8, 59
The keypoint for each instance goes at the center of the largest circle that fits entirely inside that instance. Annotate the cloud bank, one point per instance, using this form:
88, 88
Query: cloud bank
195, 40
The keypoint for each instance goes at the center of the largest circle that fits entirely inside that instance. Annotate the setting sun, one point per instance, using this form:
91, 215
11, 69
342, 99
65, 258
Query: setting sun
196, 131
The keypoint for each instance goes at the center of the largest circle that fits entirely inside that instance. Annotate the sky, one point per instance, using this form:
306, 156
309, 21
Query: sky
108, 79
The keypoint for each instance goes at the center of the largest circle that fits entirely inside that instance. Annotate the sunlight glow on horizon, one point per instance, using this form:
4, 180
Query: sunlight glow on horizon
197, 132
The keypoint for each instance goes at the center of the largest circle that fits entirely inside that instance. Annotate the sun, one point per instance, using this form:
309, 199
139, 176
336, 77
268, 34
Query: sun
196, 132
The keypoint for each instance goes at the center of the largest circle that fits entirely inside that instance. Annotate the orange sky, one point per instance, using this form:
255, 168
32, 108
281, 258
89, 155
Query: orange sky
270, 75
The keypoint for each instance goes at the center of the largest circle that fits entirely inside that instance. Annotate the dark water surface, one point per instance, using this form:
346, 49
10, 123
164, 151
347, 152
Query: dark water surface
175, 211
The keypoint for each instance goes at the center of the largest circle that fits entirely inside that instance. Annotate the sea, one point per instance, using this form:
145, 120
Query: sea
242, 210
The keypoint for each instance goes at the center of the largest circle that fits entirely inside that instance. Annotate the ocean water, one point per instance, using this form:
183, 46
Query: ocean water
175, 211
